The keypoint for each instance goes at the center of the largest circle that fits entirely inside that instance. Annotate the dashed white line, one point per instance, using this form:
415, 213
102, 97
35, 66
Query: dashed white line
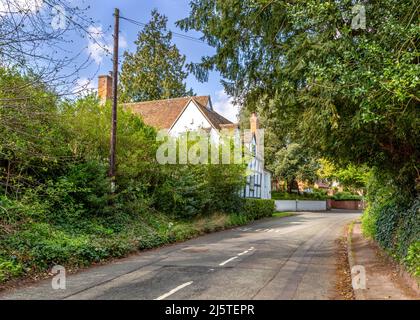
227, 261
242, 253
236, 257
174, 290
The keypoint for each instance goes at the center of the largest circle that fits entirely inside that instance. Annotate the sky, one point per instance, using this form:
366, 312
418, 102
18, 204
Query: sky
102, 12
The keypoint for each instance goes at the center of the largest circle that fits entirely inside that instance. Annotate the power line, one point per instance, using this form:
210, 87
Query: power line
180, 35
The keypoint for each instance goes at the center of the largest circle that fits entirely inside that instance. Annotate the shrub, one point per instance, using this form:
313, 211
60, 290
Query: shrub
9, 269
188, 190
317, 194
392, 219
412, 260
257, 208
346, 196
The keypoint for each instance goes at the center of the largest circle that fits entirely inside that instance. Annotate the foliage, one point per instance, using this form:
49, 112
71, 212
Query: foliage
258, 208
413, 257
294, 163
283, 214
55, 203
190, 190
348, 93
353, 177
35, 41
393, 219
31, 139
346, 196
326, 170
156, 70
315, 195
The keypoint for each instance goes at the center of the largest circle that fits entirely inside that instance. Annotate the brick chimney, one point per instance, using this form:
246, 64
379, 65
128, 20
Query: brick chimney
105, 88
255, 124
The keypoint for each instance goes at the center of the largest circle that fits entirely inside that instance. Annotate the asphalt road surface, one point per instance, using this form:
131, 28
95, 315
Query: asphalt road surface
276, 258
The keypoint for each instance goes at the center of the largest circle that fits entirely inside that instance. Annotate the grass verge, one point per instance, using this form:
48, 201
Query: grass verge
283, 214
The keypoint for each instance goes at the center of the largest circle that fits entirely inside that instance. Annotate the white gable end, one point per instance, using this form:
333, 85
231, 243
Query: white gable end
191, 119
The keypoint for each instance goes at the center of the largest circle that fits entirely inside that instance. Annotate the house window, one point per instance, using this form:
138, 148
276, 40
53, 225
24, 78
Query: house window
252, 183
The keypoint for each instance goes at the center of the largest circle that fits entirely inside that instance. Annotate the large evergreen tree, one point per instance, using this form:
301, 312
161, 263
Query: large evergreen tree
347, 75
156, 69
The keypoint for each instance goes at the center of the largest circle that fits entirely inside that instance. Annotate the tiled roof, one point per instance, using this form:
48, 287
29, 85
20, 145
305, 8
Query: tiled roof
162, 114
214, 118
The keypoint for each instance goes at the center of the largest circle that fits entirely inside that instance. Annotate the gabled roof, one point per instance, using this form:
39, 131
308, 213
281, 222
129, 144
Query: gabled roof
162, 114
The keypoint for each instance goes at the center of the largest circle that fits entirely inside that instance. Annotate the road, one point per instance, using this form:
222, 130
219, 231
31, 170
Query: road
276, 258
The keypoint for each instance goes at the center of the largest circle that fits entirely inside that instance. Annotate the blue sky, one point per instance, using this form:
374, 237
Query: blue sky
102, 12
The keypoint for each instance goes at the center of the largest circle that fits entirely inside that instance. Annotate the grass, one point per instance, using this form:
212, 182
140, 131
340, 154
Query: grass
283, 214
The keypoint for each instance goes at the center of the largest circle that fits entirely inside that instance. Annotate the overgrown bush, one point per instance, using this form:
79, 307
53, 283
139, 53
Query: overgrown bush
257, 208
55, 201
392, 218
190, 190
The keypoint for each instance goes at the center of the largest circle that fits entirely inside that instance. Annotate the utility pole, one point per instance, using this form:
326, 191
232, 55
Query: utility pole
112, 166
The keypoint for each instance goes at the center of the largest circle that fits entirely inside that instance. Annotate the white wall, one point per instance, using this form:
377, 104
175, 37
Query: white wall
300, 205
266, 185
307, 205
191, 119
285, 205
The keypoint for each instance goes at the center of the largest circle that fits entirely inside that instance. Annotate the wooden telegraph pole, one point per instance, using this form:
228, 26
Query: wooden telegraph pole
112, 165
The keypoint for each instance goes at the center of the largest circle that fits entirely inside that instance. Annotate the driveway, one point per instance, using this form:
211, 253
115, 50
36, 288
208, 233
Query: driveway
276, 258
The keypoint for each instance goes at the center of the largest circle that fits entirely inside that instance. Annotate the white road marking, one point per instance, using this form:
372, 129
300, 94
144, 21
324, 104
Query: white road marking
228, 260
258, 230
236, 257
174, 290
242, 253
278, 230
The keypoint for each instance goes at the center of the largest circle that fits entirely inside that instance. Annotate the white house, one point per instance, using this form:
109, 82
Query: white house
179, 115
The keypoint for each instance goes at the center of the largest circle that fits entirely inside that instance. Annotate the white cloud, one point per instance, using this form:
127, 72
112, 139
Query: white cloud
84, 86
100, 44
223, 104
20, 6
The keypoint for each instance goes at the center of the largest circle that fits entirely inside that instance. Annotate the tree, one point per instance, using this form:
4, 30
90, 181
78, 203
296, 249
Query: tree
36, 38
353, 177
353, 89
294, 163
156, 70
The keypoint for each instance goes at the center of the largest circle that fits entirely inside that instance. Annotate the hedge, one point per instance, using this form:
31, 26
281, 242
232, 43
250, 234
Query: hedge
258, 208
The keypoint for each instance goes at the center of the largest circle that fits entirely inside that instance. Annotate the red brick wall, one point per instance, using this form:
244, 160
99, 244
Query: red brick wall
346, 204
